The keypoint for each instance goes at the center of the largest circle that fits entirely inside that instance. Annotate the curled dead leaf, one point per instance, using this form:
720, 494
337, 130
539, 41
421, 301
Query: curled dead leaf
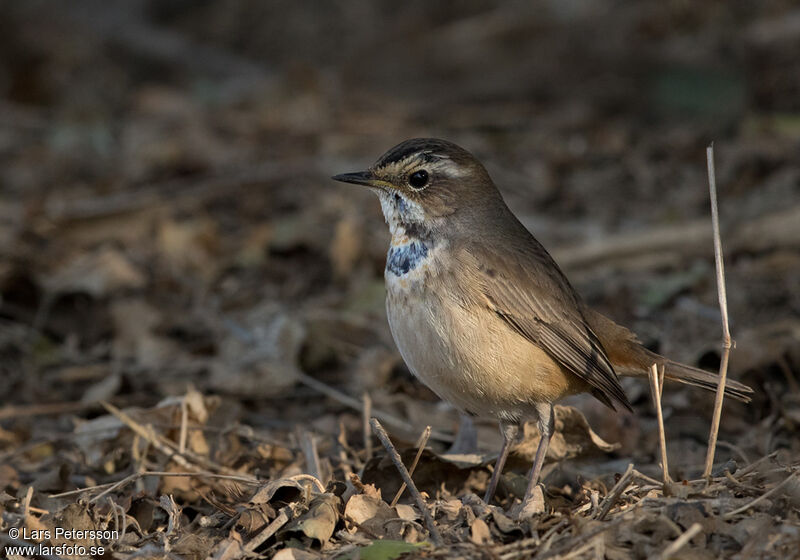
319, 522
282, 490
369, 514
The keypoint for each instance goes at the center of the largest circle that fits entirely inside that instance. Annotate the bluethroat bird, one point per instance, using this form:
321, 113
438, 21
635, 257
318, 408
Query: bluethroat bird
480, 311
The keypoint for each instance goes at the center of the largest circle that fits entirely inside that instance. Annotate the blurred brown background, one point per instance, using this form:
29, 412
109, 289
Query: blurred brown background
166, 216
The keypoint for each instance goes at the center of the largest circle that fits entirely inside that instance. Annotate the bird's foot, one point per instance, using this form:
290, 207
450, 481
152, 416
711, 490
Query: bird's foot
531, 506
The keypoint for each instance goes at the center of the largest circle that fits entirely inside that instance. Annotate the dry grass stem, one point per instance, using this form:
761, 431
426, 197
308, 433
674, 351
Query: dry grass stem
681, 541
723, 307
146, 433
398, 462
662, 439
423, 441
283, 518
755, 464
612, 497
764, 496
26, 503
188, 459
111, 486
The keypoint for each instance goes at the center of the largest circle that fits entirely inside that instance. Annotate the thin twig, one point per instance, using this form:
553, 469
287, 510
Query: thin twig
579, 540
662, 439
305, 476
130, 478
166, 446
737, 511
645, 478
26, 503
723, 307
423, 441
612, 497
283, 518
398, 462
681, 541
755, 464
147, 433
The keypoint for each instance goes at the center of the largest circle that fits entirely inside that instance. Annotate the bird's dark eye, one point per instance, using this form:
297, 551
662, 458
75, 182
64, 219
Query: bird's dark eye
418, 179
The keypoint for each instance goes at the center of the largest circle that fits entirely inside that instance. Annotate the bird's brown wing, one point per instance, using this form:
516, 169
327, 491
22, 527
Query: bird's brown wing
525, 287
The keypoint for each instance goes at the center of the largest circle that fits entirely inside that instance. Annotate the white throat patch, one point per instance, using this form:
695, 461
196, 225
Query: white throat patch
398, 211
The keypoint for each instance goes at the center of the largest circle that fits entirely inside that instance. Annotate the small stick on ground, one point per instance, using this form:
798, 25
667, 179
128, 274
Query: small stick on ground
26, 503
755, 464
110, 486
662, 439
283, 518
612, 497
398, 462
681, 541
734, 513
723, 307
423, 441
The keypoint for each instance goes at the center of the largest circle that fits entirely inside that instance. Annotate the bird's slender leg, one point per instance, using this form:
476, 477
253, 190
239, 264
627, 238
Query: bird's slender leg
510, 432
546, 424
466, 438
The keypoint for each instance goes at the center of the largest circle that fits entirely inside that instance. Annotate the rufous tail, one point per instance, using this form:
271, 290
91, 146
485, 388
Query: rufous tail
631, 359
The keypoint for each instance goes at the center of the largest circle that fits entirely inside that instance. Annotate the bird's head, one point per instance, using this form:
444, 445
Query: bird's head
423, 182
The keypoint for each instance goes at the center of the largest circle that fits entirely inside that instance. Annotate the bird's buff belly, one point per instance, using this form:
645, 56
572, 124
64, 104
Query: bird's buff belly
468, 356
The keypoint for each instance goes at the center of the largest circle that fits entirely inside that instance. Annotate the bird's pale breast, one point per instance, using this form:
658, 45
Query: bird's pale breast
459, 348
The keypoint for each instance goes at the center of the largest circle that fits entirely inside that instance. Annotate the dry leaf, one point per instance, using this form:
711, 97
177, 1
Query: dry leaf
369, 512
479, 532
97, 274
406, 512
228, 549
282, 490
319, 521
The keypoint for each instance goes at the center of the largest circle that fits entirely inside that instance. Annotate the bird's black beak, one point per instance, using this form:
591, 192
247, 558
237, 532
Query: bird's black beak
361, 178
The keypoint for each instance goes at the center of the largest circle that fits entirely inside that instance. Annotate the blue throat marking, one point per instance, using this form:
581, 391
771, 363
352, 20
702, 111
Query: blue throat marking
404, 258
400, 203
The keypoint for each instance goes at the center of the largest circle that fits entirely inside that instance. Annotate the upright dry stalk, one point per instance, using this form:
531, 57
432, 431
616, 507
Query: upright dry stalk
662, 438
423, 441
723, 307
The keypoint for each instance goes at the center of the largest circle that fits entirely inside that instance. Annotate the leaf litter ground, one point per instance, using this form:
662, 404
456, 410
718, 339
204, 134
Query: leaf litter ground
192, 334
